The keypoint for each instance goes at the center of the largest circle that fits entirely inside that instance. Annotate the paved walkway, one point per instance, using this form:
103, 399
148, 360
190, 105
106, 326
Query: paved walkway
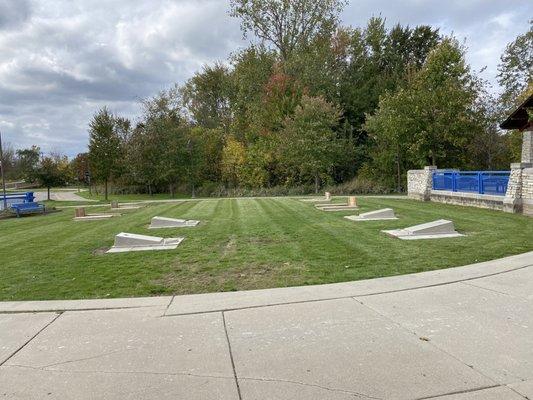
60, 195
457, 334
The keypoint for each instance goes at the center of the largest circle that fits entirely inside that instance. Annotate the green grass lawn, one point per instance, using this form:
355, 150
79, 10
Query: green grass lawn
241, 244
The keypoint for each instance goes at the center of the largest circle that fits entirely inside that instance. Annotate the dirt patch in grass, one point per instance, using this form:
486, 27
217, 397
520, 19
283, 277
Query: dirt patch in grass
100, 251
253, 276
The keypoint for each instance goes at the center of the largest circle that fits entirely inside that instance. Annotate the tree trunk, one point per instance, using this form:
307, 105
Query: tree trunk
317, 181
105, 190
193, 191
150, 189
48, 190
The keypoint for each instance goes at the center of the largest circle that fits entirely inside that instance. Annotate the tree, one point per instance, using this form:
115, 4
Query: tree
287, 24
52, 171
233, 158
515, 71
309, 142
432, 120
206, 97
105, 152
380, 61
252, 68
80, 168
28, 160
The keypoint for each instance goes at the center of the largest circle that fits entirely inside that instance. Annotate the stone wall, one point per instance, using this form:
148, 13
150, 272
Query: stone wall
419, 183
468, 199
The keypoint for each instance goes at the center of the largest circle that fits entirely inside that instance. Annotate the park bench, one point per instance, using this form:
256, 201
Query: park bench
27, 208
16, 198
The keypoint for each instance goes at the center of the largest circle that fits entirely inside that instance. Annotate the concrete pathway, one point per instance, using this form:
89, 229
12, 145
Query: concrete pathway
60, 195
458, 334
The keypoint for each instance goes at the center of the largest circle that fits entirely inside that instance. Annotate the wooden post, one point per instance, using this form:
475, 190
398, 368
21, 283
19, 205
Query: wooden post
80, 212
352, 201
114, 204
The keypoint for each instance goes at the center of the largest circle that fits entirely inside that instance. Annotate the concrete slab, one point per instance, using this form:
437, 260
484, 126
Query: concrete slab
337, 349
497, 393
120, 207
164, 222
315, 200
19, 383
525, 388
438, 229
17, 329
340, 207
91, 304
514, 283
124, 354
126, 242
377, 215
255, 298
94, 217
490, 331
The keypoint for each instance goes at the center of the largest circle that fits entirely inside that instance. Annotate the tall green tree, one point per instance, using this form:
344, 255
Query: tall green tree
515, 71
105, 150
309, 142
380, 61
52, 171
287, 24
430, 121
27, 162
206, 96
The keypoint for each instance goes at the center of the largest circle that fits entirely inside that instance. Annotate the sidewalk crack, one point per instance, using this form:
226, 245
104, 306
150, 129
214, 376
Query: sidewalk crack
231, 356
30, 339
331, 389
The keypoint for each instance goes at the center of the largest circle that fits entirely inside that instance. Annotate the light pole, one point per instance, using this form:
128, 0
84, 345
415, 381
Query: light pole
2, 169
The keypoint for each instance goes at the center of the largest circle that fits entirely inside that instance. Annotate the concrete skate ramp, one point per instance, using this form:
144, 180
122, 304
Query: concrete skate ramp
377, 215
441, 228
125, 242
164, 222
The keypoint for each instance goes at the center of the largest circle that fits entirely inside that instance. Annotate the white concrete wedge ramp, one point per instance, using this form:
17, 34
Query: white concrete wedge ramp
125, 242
439, 229
377, 215
164, 222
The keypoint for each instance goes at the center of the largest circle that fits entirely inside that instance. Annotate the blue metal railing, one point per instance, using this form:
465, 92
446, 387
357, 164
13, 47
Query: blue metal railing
482, 182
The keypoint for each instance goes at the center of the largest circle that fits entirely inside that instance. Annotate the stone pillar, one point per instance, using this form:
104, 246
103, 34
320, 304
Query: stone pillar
327, 195
352, 201
114, 204
513, 197
420, 182
527, 191
519, 195
527, 146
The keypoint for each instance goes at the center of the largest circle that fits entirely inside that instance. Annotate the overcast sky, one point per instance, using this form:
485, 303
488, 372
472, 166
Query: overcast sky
63, 59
